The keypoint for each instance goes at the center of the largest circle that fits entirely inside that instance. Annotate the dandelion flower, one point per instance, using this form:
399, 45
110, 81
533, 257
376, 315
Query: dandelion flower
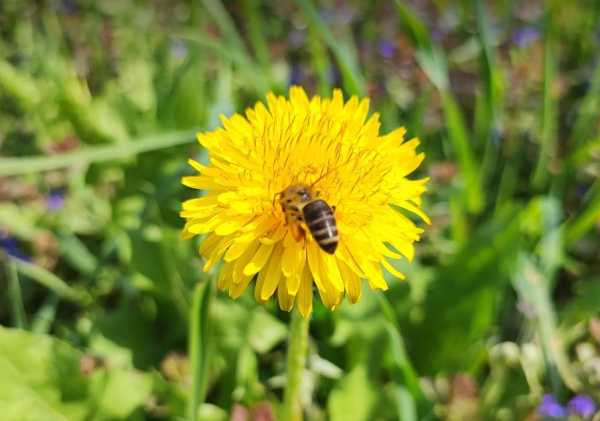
333, 147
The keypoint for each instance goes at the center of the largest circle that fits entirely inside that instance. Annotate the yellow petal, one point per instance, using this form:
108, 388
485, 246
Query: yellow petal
330, 295
225, 279
196, 165
208, 244
273, 273
294, 268
232, 225
391, 269
236, 289
286, 301
414, 209
215, 253
200, 202
235, 251
351, 281
343, 253
305, 293
260, 281
375, 276
314, 262
200, 182
275, 237
260, 258
332, 272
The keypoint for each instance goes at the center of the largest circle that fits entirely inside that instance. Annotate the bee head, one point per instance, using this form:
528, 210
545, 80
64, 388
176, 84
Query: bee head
298, 193
303, 194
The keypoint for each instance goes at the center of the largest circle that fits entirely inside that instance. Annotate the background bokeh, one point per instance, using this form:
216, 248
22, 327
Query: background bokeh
99, 103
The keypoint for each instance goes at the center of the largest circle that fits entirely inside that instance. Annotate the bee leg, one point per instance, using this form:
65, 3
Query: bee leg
297, 232
333, 209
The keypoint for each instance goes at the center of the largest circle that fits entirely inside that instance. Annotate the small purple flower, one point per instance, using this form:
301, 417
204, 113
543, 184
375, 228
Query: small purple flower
525, 36
386, 48
549, 407
9, 244
582, 405
55, 200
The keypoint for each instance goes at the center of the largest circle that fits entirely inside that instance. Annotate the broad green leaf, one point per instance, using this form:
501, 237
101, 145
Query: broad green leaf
265, 331
42, 379
461, 302
353, 398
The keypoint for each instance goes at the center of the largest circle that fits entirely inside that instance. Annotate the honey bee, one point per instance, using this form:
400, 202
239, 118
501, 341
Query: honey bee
300, 204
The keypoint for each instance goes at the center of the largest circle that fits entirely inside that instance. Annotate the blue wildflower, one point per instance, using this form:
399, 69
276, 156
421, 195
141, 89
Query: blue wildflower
549, 407
525, 36
583, 406
9, 244
55, 200
386, 48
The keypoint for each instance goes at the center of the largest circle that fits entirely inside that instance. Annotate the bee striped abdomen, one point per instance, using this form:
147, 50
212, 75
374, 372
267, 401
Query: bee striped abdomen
320, 220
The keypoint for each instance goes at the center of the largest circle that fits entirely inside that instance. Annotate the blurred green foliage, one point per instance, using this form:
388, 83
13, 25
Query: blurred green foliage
104, 317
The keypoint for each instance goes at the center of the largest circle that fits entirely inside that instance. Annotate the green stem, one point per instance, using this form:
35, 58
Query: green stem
296, 359
199, 346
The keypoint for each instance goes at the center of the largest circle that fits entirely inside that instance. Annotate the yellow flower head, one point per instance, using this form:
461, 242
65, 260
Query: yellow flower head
330, 147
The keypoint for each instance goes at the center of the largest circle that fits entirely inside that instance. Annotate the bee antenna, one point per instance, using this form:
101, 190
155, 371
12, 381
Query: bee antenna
322, 176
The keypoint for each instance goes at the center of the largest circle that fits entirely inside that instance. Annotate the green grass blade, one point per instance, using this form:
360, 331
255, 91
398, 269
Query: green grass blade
409, 375
226, 25
457, 132
578, 226
584, 153
587, 117
14, 295
27, 165
254, 80
320, 61
257, 37
199, 345
405, 404
353, 80
76, 253
549, 107
489, 108
44, 318
50, 281
533, 287
16, 84
415, 28
434, 63
219, 14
